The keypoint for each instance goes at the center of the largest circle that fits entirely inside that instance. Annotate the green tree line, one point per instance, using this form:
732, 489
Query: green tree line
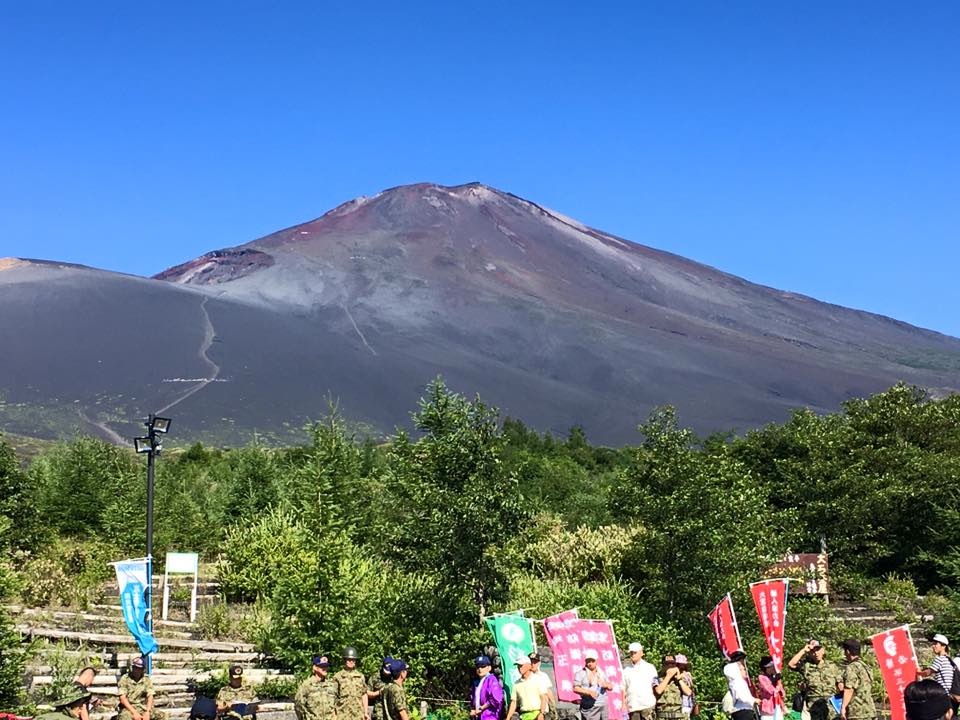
401, 546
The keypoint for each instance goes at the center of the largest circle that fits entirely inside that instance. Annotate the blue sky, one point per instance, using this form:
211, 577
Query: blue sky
810, 146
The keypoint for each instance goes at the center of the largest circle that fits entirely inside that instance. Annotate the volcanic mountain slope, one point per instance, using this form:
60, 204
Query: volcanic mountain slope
554, 322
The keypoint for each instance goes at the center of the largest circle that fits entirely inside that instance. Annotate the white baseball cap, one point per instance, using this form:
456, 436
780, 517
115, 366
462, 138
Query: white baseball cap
634, 647
940, 638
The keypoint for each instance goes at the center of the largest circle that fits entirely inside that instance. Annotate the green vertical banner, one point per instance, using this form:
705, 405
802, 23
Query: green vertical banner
513, 636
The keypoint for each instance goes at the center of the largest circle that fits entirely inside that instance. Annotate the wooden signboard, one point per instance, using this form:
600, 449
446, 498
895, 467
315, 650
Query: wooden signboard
807, 572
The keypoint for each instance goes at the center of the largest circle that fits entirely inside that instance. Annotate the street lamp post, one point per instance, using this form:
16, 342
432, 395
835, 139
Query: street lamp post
150, 444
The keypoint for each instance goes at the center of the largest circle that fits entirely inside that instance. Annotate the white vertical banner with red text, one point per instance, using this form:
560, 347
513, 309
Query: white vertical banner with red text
770, 598
897, 660
724, 623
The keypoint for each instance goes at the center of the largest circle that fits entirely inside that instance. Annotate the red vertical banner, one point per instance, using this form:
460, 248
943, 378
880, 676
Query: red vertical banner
898, 665
770, 598
562, 637
724, 623
598, 635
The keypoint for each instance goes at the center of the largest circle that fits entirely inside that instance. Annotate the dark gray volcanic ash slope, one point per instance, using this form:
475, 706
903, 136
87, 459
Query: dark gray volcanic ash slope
553, 322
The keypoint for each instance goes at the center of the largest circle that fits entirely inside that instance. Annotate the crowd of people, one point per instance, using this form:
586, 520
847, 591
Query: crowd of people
826, 691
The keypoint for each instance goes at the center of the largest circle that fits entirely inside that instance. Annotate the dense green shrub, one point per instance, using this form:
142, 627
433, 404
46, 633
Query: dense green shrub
258, 555
401, 548
68, 572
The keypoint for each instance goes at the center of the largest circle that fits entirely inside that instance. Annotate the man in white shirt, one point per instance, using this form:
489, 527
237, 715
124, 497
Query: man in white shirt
639, 679
736, 673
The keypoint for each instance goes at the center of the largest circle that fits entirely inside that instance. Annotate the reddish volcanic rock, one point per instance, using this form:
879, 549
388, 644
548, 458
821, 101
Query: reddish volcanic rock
554, 322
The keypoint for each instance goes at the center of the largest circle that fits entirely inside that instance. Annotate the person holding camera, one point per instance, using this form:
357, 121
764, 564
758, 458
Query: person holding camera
671, 690
821, 679
773, 698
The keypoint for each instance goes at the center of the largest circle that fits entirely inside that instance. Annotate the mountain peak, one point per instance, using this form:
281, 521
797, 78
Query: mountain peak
549, 319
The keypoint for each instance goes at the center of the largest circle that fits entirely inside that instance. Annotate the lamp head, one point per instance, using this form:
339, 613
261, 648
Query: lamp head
158, 424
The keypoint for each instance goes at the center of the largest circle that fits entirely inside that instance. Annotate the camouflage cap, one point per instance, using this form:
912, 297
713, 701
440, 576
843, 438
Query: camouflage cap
72, 696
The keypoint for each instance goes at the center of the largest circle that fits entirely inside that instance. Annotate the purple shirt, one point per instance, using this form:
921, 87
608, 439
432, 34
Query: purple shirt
487, 691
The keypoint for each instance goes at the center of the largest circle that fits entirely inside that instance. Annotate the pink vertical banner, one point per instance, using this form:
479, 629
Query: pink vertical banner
770, 598
724, 624
598, 635
898, 665
562, 636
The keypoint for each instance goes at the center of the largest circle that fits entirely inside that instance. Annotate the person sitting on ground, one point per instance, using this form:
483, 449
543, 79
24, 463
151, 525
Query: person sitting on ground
136, 693
203, 708
236, 693
68, 707
83, 681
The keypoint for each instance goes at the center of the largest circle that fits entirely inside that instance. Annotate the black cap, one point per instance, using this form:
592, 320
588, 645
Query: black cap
737, 655
851, 646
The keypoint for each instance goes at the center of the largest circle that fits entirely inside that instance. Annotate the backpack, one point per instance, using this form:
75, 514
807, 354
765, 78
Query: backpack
727, 704
955, 681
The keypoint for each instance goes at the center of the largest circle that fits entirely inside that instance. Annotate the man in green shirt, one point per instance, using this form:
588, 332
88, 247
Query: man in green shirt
393, 696
375, 685
671, 690
67, 707
236, 693
857, 701
822, 679
136, 693
350, 688
316, 696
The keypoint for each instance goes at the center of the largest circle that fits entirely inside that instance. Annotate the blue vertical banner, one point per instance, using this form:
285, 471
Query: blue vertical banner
132, 580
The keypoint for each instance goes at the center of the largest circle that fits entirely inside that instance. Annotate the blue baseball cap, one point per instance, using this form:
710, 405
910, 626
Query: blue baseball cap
321, 661
482, 661
397, 667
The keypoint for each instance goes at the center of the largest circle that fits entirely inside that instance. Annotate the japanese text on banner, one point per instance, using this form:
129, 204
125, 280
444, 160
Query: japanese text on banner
559, 630
898, 665
770, 599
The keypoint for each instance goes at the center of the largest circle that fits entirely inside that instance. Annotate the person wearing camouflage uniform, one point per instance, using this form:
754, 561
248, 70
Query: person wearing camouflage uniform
857, 685
375, 685
68, 707
393, 696
237, 692
670, 691
136, 693
316, 697
350, 689
822, 679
